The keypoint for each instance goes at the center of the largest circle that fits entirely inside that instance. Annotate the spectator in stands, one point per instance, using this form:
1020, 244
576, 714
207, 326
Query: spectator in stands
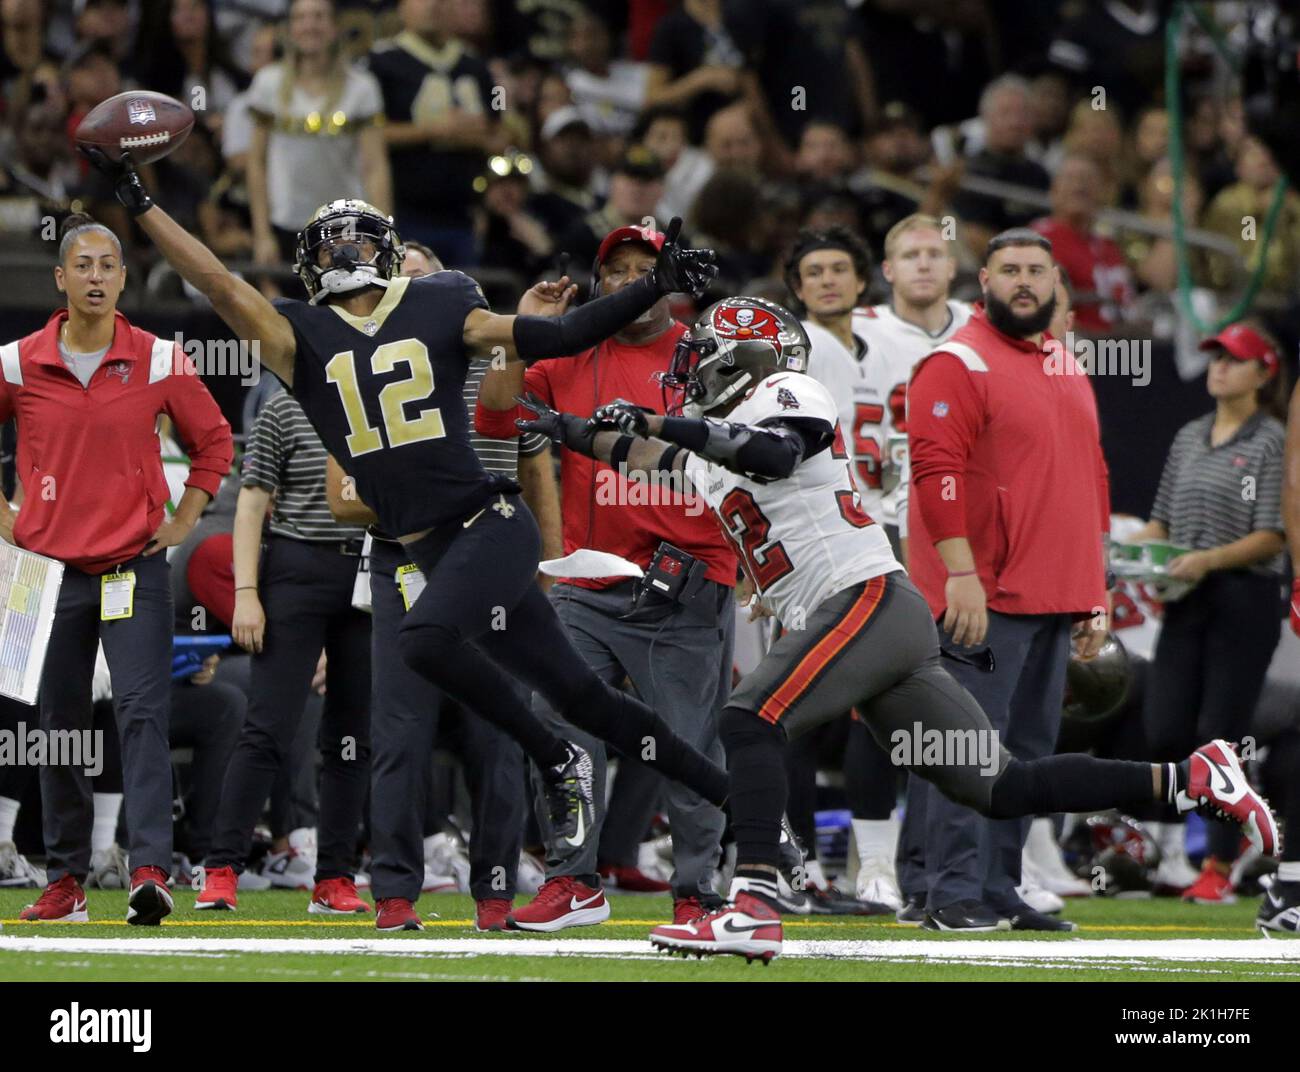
1148, 144
732, 140
1095, 264
825, 154
1049, 103
564, 186
1220, 495
25, 59
608, 92
666, 133
702, 55
317, 137
1008, 126
1248, 199
109, 24
35, 184
439, 128
1098, 134
187, 59
1151, 257
728, 218
635, 186
887, 186
510, 237
552, 95
237, 124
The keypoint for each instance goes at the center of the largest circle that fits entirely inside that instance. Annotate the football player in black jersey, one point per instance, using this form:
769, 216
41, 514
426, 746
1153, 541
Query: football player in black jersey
377, 362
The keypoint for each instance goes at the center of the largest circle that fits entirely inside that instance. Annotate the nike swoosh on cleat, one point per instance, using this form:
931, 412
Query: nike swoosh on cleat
575, 904
1227, 781
727, 926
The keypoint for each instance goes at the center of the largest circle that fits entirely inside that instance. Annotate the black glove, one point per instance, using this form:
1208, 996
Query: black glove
573, 432
678, 270
126, 180
622, 416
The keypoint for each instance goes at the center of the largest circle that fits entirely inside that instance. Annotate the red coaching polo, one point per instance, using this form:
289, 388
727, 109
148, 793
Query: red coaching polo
89, 457
599, 509
1005, 450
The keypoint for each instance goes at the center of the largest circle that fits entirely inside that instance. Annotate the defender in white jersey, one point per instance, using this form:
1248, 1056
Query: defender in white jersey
918, 319
868, 639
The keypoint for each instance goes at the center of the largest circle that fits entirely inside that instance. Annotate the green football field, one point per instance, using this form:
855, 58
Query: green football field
271, 937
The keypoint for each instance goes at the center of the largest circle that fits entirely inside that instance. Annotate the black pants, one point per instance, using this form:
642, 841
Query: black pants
306, 591
1208, 672
405, 715
482, 616
205, 718
138, 650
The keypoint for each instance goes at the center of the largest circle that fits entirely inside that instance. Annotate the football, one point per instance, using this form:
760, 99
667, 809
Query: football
148, 125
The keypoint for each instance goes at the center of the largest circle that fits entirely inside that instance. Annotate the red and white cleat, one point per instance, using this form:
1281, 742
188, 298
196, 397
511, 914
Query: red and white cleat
336, 897
397, 914
219, 889
150, 899
1217, 786
63, 901
749, 928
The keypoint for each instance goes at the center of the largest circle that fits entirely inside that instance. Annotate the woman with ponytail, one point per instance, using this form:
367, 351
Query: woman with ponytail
87, 391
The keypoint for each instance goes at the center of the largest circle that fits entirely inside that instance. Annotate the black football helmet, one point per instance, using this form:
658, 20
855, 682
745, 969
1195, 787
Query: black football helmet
339, 228
731, 346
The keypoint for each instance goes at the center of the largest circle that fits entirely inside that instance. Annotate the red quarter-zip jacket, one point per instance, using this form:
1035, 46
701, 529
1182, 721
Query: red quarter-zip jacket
1005, 450
89, 457
600, 509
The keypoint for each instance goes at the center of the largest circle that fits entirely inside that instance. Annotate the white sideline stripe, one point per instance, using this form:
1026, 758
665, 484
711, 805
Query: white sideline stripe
1204, 949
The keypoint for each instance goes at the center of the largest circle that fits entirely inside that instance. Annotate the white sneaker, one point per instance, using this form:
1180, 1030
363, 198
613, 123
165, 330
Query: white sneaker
294, 869
876, 882
361, 880
435, 882
15, 871
1174, 872
445, 854
253, 881
109, 869
1038, 898
1041, 858
530, 875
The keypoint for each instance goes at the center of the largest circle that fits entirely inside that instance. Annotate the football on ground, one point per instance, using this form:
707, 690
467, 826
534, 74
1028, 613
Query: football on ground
148, 125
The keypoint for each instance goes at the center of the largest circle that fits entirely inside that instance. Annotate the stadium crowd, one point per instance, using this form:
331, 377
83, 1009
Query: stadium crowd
794, 137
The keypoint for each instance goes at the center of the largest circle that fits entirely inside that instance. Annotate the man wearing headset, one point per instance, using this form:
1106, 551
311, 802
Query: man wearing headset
675, 651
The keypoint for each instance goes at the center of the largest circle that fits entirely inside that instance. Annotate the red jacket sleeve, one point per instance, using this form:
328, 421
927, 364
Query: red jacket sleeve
500, 423
203, 431
945, 413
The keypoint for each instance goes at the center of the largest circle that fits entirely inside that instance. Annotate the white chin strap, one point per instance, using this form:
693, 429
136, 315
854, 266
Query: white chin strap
342, 280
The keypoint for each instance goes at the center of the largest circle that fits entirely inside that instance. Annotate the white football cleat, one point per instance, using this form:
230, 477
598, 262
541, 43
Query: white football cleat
749, 928
1174, 871
1042, 860
16, 873
444, 854
1037, 897
109, 869
876, 882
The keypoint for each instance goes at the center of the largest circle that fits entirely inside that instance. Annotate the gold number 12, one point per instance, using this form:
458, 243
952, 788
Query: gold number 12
364, 437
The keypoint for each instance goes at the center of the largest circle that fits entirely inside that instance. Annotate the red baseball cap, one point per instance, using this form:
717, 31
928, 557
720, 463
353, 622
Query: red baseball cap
1245, 345
616, 237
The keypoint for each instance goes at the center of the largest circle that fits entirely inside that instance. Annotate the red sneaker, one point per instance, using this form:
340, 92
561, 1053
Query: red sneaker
397, 914
491, 913
219, 886
336, 897
633, 880
150, 899
749, 928
561, 902
688, 909
62, 902
1212, 887
1217, 786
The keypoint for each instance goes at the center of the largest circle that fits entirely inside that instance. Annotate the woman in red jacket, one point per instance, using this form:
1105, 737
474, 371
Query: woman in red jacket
87, 391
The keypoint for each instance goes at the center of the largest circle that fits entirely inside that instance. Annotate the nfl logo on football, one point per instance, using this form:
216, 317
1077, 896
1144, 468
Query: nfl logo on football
140, 111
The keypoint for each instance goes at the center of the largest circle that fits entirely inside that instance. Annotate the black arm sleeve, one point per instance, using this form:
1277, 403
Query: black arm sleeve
539, 337
771, 452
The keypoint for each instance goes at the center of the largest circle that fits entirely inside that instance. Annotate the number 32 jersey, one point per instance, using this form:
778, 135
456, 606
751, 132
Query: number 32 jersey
384, 394
804, 538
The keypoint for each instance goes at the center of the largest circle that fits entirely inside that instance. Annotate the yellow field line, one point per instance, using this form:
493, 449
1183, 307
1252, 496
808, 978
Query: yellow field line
368, 923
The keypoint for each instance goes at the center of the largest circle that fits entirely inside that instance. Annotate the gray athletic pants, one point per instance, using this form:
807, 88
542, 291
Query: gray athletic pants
680, 664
